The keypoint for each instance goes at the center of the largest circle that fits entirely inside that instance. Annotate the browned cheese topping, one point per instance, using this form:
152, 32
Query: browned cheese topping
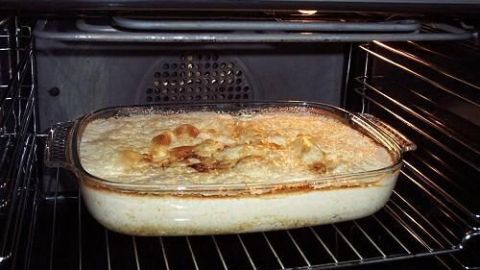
208, 147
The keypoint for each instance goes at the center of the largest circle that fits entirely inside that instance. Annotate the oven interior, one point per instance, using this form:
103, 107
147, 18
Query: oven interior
420, 76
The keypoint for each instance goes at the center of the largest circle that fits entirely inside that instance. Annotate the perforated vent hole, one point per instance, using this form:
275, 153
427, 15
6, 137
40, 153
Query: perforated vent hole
198, 77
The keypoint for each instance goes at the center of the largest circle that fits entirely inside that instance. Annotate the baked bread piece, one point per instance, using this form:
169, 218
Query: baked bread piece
221, 148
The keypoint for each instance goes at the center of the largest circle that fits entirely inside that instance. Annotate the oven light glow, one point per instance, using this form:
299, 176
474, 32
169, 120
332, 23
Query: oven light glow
307, 12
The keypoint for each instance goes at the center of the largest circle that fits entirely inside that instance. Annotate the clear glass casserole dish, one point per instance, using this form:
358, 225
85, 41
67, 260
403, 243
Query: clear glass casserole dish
233, 207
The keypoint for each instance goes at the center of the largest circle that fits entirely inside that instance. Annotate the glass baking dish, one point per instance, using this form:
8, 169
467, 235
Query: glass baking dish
234, 207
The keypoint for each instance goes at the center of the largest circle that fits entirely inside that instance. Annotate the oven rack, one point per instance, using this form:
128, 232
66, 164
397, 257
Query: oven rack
18, 142
428, 214
65, 236
218, 31
437, 107
429, 111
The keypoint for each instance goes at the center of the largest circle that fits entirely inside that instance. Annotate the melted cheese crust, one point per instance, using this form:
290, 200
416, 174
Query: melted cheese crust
220, 148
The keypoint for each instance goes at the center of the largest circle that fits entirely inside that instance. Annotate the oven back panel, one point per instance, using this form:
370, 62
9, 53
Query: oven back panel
74, 81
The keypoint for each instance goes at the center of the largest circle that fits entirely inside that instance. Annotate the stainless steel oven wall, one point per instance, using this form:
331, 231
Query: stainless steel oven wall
76, 79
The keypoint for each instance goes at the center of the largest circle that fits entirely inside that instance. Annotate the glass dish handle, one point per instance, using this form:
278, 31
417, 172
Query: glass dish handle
58, 145
401, 140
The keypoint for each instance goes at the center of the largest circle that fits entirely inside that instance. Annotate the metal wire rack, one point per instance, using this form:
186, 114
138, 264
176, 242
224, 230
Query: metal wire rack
69, 238
430, 92
425, 216
430, 213
18, 145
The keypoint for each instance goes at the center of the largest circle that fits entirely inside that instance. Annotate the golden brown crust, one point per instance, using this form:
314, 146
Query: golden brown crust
130, 158
228, 149
208, 148
165, 138
182, 152
209, 154
213, 155
318, 167
210, 166
187, 129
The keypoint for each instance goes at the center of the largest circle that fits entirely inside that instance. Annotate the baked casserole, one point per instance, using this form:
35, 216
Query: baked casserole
228, 168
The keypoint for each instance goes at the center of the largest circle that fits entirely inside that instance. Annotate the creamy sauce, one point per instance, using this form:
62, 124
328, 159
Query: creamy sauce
219, 148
